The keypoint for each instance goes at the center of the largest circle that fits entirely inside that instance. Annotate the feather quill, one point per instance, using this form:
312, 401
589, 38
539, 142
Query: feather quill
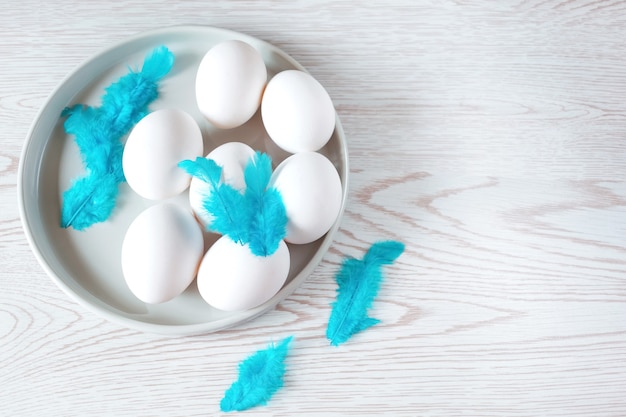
257, 217
98, 131
358, 284
260, 376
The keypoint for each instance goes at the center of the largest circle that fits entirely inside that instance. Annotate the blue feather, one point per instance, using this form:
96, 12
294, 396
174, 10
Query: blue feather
257, 217
358, 284
98, 131
268, 222
225, 203
260, 376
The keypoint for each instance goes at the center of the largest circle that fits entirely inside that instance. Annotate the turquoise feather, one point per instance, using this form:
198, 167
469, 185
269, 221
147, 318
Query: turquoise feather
268, 221
257, 217
260, 376
358, 284
98, 132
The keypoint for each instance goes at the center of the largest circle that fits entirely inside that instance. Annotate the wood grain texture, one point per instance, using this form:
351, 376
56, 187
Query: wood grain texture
490, 137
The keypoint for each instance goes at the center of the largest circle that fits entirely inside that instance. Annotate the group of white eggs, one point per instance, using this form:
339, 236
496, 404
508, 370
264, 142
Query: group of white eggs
163, 249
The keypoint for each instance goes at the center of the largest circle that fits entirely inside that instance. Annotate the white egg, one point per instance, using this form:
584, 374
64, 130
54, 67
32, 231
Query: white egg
297, 112
311, 190
231, 278
232, 157
161, 252
229, 83
153, 150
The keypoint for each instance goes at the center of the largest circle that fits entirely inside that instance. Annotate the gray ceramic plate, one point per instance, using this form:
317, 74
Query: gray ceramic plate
86, 265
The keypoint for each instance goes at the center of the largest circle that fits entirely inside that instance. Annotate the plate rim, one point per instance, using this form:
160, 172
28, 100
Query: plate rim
151, 327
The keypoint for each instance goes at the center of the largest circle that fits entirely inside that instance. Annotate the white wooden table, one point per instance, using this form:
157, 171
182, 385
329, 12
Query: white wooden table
489, 137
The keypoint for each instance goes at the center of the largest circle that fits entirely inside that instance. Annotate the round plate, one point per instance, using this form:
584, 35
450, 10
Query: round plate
86, 265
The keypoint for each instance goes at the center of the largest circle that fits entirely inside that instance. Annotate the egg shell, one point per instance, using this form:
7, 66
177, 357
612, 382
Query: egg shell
153, 150
311, 190
161, 252
229, 83
232, 157
297, 112
231, 278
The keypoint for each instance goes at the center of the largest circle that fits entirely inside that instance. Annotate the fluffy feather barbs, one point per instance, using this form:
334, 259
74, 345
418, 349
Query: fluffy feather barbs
256, 217
98, 131
358, 284
260, 376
